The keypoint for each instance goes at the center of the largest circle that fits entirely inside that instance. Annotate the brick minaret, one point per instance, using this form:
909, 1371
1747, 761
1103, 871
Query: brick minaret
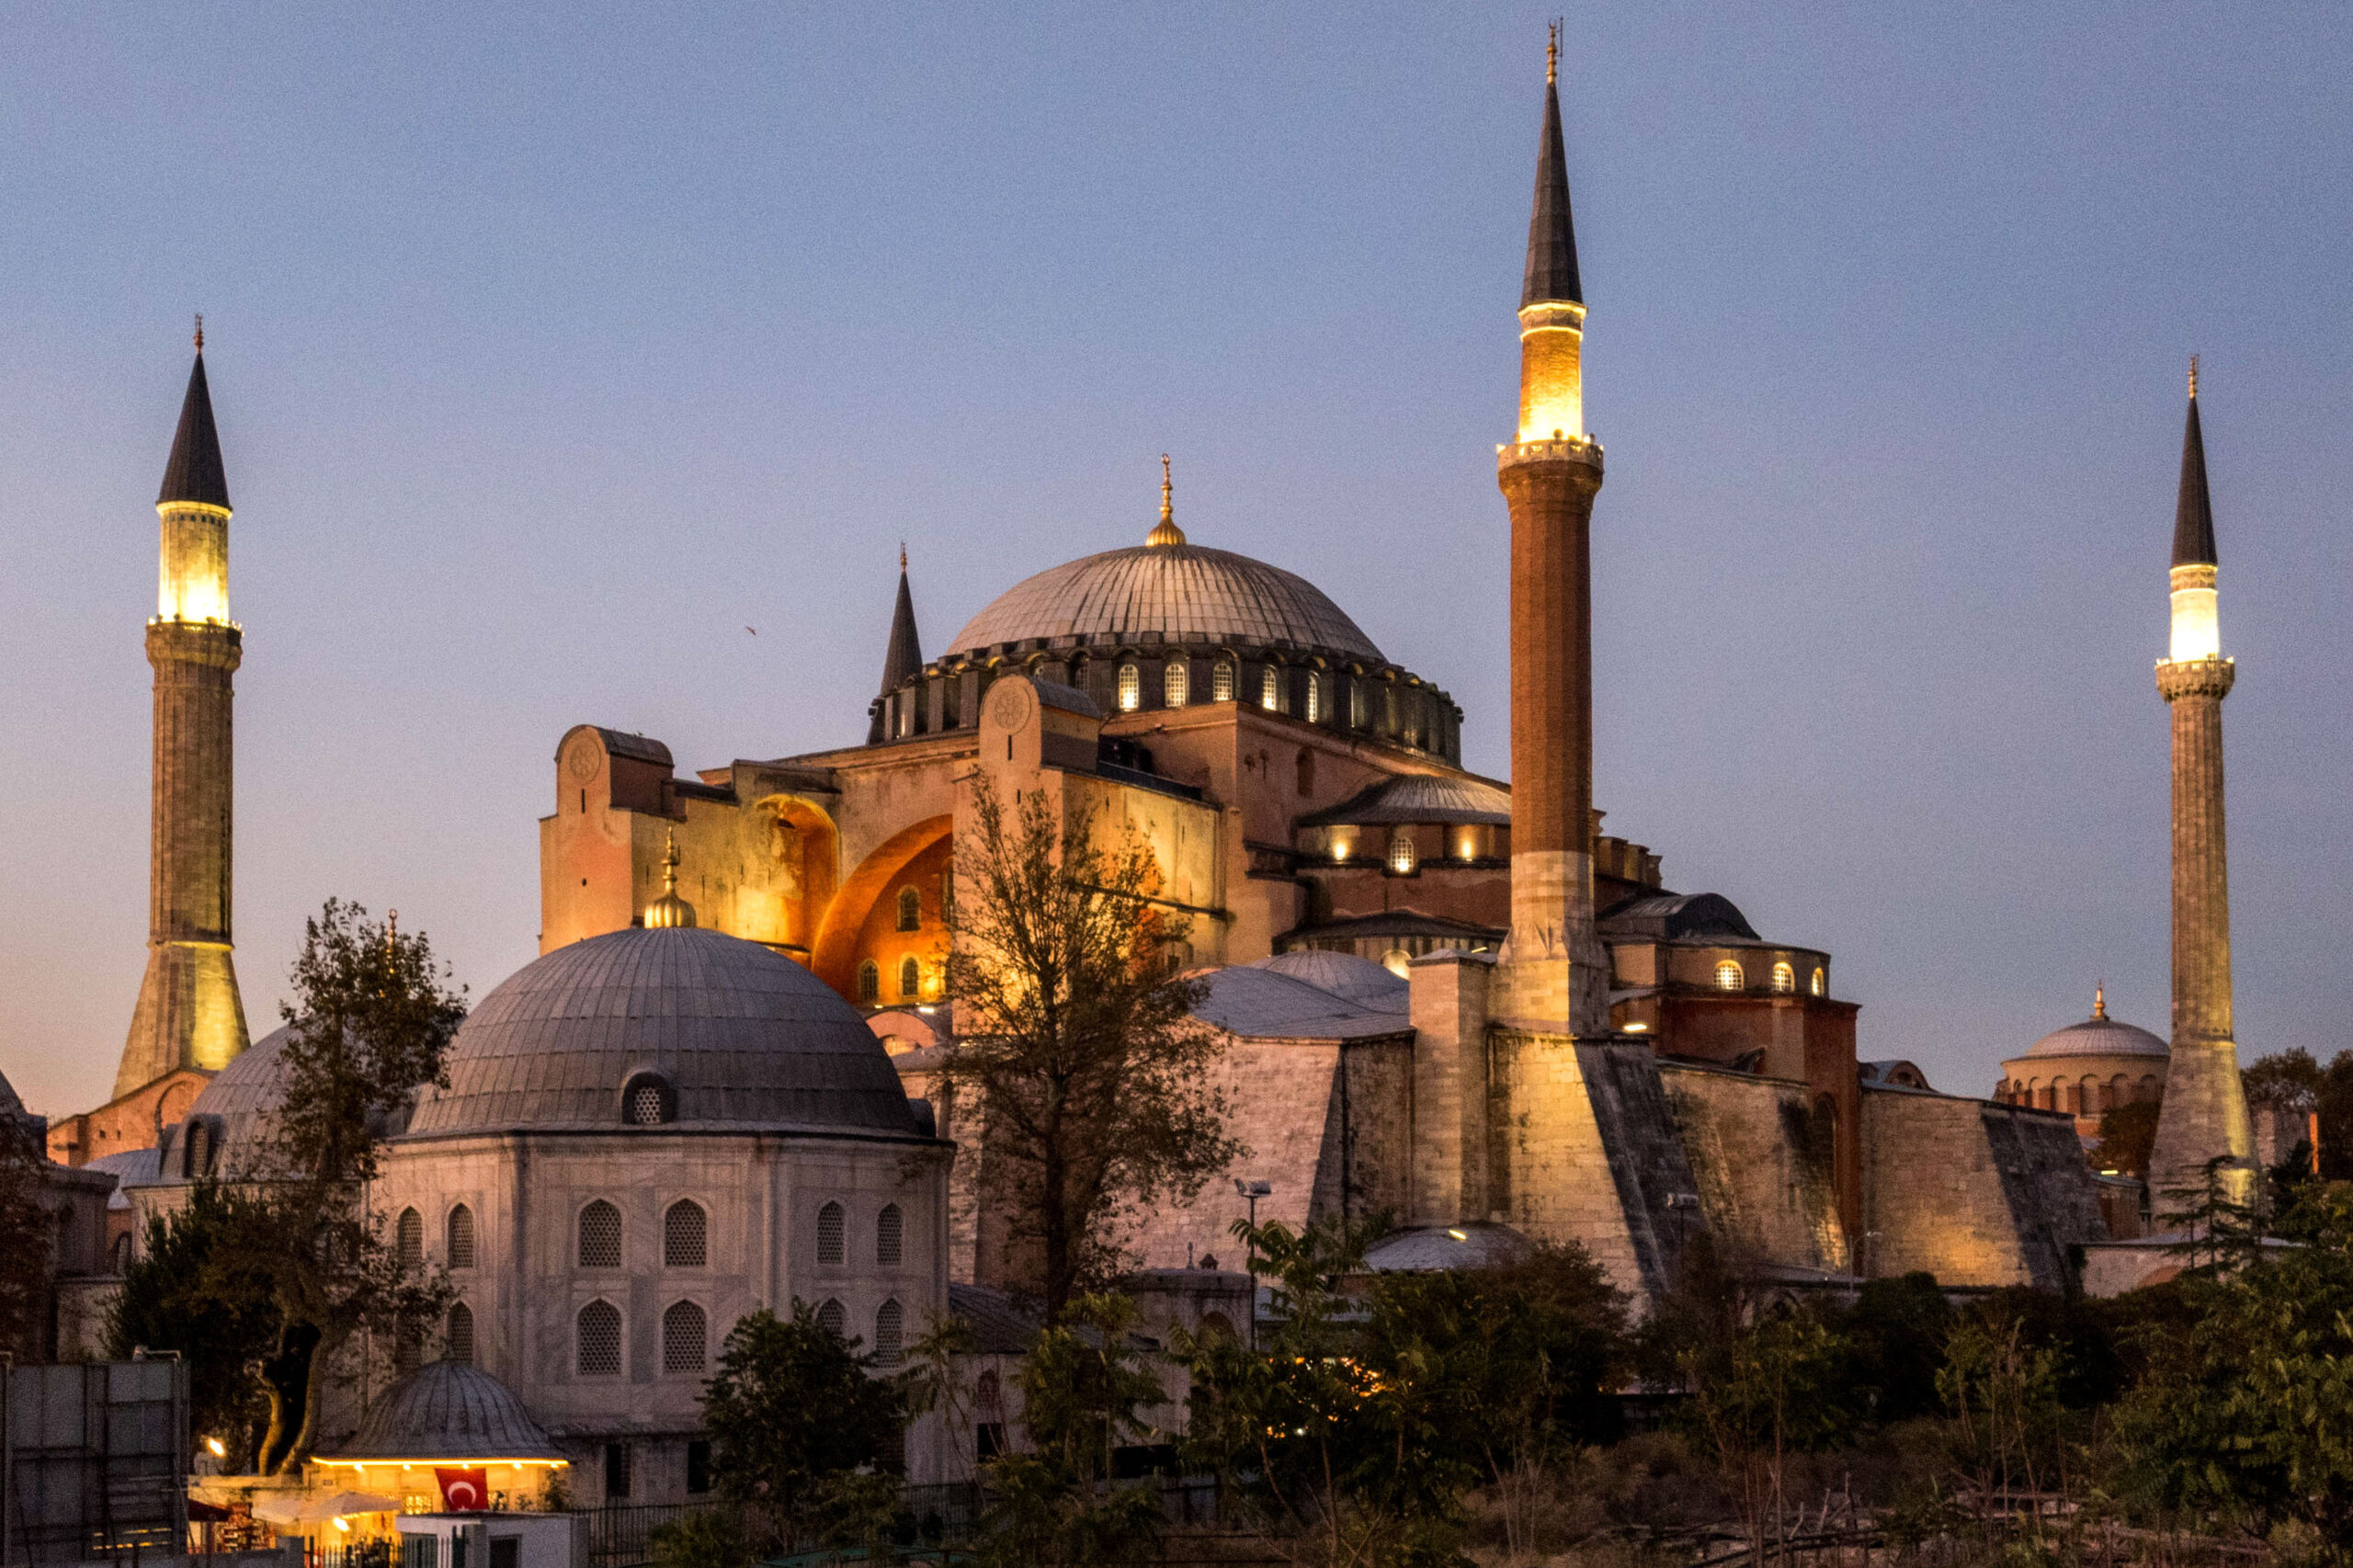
2205, 1105
189, 1014
1553, 975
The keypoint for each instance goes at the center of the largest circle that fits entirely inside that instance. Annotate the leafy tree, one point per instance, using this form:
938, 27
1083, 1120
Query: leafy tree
1350, 1442
1077, 1046
27, 1236
195, 1287
2002, 1392
1780, 1386
2128, 1134
793, 1406
1084, 1390
1898, 1328
712, 1539
2296, 1084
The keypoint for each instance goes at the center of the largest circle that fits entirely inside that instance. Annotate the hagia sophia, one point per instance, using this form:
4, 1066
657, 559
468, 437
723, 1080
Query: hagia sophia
1455, 1000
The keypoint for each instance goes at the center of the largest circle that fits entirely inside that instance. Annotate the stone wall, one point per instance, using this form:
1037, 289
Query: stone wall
1975, 1193
1762, 1155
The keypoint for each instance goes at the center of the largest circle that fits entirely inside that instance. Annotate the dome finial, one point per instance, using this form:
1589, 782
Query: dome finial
1167, 533
2193, 371
1552, 54
2099, 1000
670, 911
199, 339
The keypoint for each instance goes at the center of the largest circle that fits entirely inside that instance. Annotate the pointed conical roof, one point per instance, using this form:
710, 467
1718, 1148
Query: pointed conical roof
194, 473
905, 656
1552, 233
2193, 515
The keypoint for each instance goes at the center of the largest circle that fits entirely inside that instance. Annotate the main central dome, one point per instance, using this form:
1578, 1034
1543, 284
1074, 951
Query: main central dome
1183, 592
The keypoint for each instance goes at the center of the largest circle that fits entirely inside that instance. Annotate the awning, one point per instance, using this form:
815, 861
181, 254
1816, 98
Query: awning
312, 1508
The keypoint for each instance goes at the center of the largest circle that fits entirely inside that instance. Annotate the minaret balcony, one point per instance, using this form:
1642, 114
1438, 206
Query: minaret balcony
1583, 451
2177, 678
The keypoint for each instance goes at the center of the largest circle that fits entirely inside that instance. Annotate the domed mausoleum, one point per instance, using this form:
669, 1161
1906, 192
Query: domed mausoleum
2087, 1069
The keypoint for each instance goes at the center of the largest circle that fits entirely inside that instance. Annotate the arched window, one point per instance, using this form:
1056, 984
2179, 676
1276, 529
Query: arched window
890, 1236
122, 1253
1402, 856
647, 1100
1820, 982
1131, 689
1177, 683
2148, 1090
600, 1236
2087, 1098
457, 1343
1785, 978
597, 1336
988, 1396
1356, 704
1306, 771
408, 1243
1314, 698
890, 1321
1270, 689
910, 910
461, 1233
1221, 682
1729, 977
199, 1153
834, 1320
830, 1232
909, 978
685, 1338
1397, 962
869, 981
2118, 1092
685, 1231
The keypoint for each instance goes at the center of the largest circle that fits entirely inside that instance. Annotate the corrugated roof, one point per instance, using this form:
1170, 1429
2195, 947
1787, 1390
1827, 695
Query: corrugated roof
1000, 1325
1182, 592
1421, 797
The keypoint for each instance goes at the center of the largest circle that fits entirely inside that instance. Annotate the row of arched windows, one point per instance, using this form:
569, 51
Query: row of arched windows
1176, 688
2086, 1095
1730, 976
869, 979
597, 1337
686, 1235
832, 1236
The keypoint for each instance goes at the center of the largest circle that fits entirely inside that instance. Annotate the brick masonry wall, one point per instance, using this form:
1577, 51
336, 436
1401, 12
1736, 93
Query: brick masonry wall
1764, 1167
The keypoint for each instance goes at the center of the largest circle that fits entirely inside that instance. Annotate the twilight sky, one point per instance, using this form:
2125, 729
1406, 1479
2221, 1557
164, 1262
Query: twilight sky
556, 346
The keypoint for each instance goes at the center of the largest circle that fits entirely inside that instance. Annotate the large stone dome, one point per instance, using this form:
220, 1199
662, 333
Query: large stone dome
1182, 593
679, 1025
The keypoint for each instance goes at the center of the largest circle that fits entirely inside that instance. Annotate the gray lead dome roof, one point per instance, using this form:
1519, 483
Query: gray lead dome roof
448, 1411
745, 1037
1183, 592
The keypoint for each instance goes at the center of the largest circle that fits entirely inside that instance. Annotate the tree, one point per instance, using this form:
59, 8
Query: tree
1078, 1050
792, 1407
197, 1288
1779, 1387
2128, 1133
2002, 1392
27, 1236
1898, 1328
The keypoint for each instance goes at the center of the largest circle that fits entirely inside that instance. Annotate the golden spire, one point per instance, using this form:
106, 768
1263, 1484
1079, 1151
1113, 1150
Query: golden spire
1167, 533
670, 911
1553, 53
199, 332
2193, 377
2099, 1000
902, 555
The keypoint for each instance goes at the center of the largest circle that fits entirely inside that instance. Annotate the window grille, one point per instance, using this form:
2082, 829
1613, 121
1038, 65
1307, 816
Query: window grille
599, 1340
1221, 683
1785, 978
910, 910
1131, 689
461, 1237
457, 1344
199, 1150
645, 1106
409, 1244
1270, 689
834, 1320
830, 1229
1314, 698
1729, 977
1402, 856
685, 1235
600, 1236
909, 978
1176, 684
890, 1236
685, 1338
869, 981
890, 1322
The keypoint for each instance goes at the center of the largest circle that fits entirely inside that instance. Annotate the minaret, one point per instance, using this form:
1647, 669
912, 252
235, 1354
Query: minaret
2205, 1107
901, 661
189, 1014
1553, 968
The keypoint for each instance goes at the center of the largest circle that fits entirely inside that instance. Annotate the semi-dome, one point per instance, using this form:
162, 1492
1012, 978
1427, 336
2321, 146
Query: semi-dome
642, 1027
450, 1412
2099, 1034
1181, 593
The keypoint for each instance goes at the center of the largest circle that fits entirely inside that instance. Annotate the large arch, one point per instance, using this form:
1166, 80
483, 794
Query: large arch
834, 954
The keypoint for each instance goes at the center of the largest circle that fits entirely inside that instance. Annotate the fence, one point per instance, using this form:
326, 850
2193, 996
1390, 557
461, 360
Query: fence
91, 1459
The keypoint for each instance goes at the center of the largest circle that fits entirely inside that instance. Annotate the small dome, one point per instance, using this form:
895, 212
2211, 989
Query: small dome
722, 1031
2099, 1034
1182, 592
446, 1411
242, 1096
1343, 974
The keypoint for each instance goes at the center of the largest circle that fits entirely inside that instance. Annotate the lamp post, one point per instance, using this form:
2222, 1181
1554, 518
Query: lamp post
1252, 1191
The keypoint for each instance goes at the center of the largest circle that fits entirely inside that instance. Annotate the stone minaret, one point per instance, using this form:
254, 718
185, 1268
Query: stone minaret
189, 1014
1553, 973
2205, 1107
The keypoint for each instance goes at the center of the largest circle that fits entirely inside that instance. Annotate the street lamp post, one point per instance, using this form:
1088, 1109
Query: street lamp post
1252, 1191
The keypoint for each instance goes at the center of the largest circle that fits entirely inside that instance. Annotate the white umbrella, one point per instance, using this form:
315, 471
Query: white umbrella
310, 1507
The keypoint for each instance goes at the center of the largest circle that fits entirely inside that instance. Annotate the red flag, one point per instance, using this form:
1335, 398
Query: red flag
464, 1491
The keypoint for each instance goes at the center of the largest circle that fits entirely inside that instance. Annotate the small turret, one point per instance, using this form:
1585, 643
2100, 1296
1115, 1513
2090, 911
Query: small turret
2197, 620
904, 658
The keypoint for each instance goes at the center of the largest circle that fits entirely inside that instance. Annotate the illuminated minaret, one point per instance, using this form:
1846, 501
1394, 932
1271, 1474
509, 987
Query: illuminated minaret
189, 1014
2205, 1107
1554, 975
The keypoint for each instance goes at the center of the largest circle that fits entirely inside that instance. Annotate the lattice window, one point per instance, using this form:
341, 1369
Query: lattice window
1785, 978
1131, 689
647, 1102
685, 1338
909, 978
1314, 698
890, 1236
889, 1323
409, 1240
598, 1333
458, 1342
1221, 683
461, 1237
685, 1231
834, 1319
832, 1230
869, 981
1402, 856
1729, 976
1270, 689
600, 1236
910, 910
1177, 683
199, 1151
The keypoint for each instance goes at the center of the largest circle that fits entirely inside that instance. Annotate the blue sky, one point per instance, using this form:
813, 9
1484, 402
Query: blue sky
556, 346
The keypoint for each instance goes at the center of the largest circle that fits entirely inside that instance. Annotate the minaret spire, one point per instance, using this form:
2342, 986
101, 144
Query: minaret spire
903, 656
2193, 512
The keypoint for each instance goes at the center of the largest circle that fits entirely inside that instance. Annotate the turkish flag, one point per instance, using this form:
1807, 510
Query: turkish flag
464, 1491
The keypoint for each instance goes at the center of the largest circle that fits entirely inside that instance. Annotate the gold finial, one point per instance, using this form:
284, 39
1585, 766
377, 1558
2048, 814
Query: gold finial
1553, 53
2099, 1000
669, 911
902, 557
199, 332
2193, 377
1167, 533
